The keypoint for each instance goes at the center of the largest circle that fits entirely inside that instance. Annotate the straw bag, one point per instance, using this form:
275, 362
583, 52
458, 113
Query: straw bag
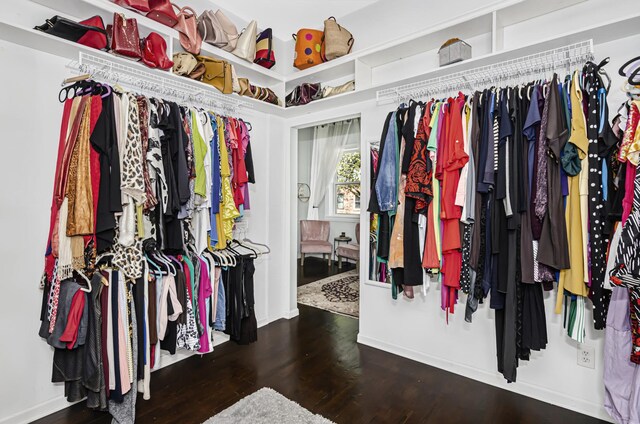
308, 48
337, 40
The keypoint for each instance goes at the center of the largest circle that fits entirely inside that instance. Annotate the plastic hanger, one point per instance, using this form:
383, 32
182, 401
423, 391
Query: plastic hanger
85, 278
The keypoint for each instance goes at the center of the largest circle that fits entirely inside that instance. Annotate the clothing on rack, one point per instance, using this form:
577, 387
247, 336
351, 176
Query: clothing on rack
145, 198
500, 194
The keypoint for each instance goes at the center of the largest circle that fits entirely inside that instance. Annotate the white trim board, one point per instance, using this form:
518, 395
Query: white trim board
521, 387
59, 403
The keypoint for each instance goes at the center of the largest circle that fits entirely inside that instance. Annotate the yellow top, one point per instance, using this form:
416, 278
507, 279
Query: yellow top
572, 279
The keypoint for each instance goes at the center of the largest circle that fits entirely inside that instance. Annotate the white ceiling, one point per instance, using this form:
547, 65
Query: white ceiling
286, 17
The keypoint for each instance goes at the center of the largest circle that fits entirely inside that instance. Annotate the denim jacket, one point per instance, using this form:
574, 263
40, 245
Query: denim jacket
387, 184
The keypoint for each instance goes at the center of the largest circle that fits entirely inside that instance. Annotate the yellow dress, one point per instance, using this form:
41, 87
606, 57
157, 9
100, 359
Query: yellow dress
228, 211
573, 278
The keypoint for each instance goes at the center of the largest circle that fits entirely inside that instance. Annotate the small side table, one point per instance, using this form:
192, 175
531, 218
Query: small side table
336, 243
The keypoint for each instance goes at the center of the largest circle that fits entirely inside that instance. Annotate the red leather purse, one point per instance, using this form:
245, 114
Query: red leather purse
162, 11
187, 26
140, 6
95, 39
125, 40
154, 53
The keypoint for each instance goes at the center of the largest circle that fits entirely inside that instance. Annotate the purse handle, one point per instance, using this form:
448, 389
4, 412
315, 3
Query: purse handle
182, 10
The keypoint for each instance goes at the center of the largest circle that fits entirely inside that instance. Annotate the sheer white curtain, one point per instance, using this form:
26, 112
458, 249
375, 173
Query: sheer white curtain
328, 142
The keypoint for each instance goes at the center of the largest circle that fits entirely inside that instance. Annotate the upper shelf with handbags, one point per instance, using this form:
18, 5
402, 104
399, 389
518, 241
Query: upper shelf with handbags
80, 9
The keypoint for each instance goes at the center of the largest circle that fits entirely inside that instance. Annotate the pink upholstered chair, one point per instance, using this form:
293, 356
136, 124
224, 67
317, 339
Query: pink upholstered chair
314, 238
351, 250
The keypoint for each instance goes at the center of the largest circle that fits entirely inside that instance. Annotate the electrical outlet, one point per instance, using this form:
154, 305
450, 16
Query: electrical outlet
586, 356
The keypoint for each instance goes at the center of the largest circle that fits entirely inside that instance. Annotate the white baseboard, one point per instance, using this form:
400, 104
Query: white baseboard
59, 403
530, 390
291, 314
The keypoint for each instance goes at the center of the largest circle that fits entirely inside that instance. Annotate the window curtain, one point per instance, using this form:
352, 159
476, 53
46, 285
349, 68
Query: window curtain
328, 142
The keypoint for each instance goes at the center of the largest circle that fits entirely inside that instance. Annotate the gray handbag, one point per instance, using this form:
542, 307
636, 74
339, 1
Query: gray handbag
211, 30
229, 30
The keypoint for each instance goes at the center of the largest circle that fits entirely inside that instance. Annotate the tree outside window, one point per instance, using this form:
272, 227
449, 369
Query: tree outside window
347, 184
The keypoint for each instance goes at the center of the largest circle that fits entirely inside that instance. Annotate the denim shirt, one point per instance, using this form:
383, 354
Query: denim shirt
387, 184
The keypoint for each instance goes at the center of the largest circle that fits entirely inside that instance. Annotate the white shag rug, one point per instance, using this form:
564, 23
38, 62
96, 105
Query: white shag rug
339, 293
266, 406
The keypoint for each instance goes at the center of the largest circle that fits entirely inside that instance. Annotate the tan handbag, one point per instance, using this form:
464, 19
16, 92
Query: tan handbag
217, 74
211, 29
245, 86
229, 30
235, 84
246, 48
344, 88
184, 63
337, 40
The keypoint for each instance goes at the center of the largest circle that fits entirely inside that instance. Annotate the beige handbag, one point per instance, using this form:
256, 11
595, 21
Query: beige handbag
344, 88
229, 29
184, 63
245, 86
235, 83
246, 48
337, 40
211, 30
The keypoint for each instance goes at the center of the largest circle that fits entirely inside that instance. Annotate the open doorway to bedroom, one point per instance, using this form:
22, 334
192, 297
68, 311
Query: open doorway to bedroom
328, 200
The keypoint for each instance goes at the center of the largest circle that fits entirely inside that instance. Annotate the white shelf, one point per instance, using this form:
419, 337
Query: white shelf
81, 9
335, 69
46, 43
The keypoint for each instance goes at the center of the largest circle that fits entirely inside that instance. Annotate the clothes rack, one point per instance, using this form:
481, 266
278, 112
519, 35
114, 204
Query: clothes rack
513, 71
152, 84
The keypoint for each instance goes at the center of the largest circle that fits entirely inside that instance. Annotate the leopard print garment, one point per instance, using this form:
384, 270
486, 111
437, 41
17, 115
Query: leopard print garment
132, 174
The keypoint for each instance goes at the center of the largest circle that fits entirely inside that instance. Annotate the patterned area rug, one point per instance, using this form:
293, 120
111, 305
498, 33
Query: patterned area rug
339, 293
266, 406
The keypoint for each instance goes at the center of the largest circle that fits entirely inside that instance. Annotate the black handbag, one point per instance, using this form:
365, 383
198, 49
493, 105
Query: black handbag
90, 32
303, 94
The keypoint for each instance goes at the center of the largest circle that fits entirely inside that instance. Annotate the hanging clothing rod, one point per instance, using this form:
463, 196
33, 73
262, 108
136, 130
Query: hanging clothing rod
149, 82
513, 71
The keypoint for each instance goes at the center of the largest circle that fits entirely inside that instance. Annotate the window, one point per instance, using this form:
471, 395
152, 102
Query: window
347, 184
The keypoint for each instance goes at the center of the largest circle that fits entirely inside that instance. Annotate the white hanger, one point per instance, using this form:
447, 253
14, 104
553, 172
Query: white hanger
85, 278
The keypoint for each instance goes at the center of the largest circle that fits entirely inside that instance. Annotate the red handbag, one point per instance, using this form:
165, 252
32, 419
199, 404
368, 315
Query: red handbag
187, 26
154, 53
162, 11
125, 40
95, 39
140, 6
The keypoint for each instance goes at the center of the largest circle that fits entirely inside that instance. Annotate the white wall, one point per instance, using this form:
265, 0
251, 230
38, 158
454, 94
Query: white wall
29, 127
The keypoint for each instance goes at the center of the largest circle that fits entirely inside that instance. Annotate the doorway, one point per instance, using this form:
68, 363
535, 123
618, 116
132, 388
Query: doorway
328, 213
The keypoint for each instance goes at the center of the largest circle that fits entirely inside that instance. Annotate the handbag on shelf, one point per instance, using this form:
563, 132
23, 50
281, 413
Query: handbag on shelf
211, 29
125, 40
343, 88
246, 47
245, 86
303, 94
265, 56
337, 40
217, 74
187, 26
162, 11
197, 72
140, 6
154, 52
184, 63
90, 32
308, 48
229, 30
235, 83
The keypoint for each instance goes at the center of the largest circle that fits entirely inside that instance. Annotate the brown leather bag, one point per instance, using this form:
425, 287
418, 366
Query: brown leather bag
217, 73
245, 86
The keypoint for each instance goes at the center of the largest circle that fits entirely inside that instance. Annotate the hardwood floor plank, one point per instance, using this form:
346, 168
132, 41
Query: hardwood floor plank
314, 360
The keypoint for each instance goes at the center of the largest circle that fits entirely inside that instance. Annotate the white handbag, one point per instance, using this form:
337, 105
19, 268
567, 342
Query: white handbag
344, 88
235, 82
246, 47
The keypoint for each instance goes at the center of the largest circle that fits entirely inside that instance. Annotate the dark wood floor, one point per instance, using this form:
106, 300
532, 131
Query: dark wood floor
316, 269
314, 360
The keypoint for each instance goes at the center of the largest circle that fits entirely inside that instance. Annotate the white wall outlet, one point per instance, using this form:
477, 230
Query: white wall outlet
586, 356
